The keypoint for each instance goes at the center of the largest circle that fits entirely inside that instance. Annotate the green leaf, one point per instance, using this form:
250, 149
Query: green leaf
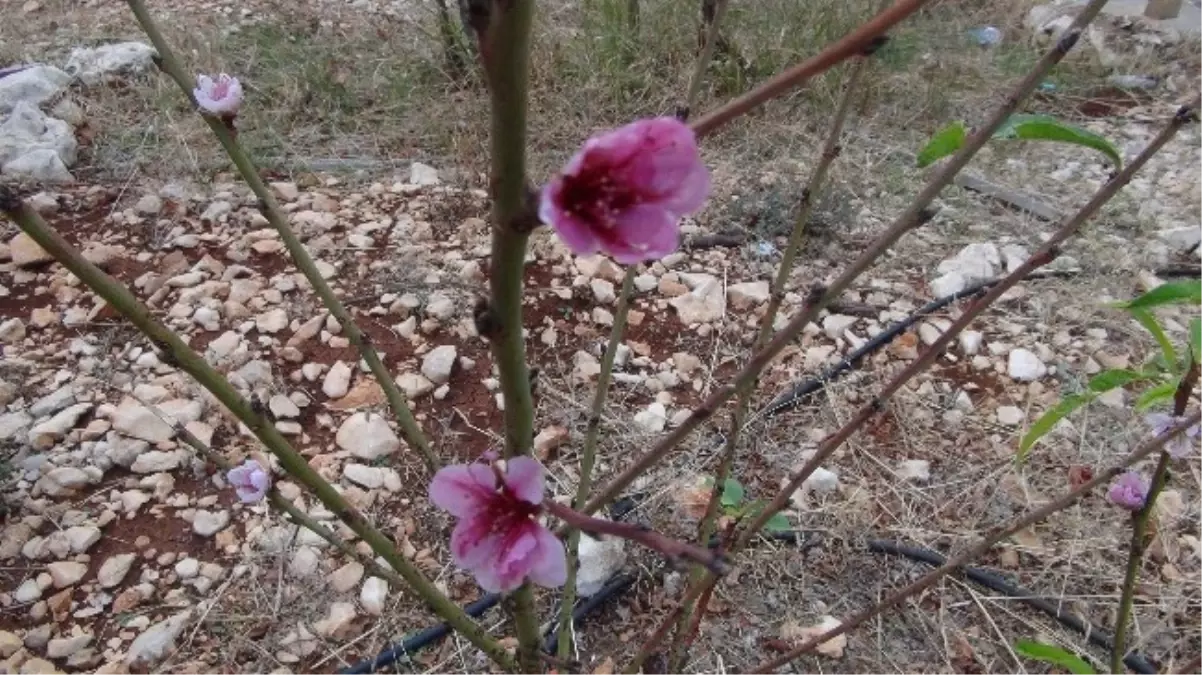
778, 523
732, 493
1057, 656
1150, 324
1112, 379
945, 142
1047, 128
1158, 394
1172, 293
1049, 419
1195, 339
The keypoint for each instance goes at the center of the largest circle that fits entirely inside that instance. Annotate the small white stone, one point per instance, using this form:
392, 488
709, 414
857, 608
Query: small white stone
337, 381
438, 363
970, 342
834, 325
66, 572
603, 291
653, 419
373, 595
821, 482
747, 294
346, 577
367, 436
208, 523
1025, 366
423, 174
114, 569
1010, 415
599, 560
914, 470
304, 563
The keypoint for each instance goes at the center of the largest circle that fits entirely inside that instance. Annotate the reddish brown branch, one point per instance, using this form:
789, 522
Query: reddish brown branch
852, 44
671, 548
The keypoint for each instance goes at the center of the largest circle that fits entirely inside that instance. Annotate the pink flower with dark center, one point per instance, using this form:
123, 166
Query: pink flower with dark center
1129, 491
498, 537
625, 191
1180, 445
221, 97
250, 480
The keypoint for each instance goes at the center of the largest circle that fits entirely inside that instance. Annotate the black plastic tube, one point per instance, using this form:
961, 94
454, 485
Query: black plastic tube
620, 583
1135, 661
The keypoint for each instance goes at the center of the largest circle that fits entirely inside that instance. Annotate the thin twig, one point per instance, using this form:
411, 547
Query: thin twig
271, 210
703, 60
673, 549
175, 352
1135, 559
981, 546
588, 455
809, 195
820, 298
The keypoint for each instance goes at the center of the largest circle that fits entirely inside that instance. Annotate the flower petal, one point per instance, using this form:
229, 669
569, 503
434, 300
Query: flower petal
518, 552
576, 235
524, 476
474, 544
463, 490
1159, 422
550, 568
645, 232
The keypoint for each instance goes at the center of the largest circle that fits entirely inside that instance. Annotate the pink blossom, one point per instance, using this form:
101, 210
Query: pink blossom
250, 480
625, 191
498, 537
221, 97
1180, 445
1129, 491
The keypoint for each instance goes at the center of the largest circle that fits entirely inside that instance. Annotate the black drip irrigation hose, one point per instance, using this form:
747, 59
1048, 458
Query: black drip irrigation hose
796, 394
994, 582
618, 585
788, 399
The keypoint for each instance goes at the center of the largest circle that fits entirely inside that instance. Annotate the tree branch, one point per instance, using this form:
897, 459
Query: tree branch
270, 208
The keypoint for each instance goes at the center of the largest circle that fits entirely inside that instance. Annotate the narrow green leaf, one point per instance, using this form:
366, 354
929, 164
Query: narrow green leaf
1172, 293
1057, 656
945, 142
1114, 378
1049, 419
1195, 339
1158, 394
778, 523
732, 492
1150, 324
1047, 128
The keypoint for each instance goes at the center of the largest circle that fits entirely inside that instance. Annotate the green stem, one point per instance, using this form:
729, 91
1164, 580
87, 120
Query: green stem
175, 352
588, 457
1140, 520
1135, 558
271, 210
809, 194
505, 50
